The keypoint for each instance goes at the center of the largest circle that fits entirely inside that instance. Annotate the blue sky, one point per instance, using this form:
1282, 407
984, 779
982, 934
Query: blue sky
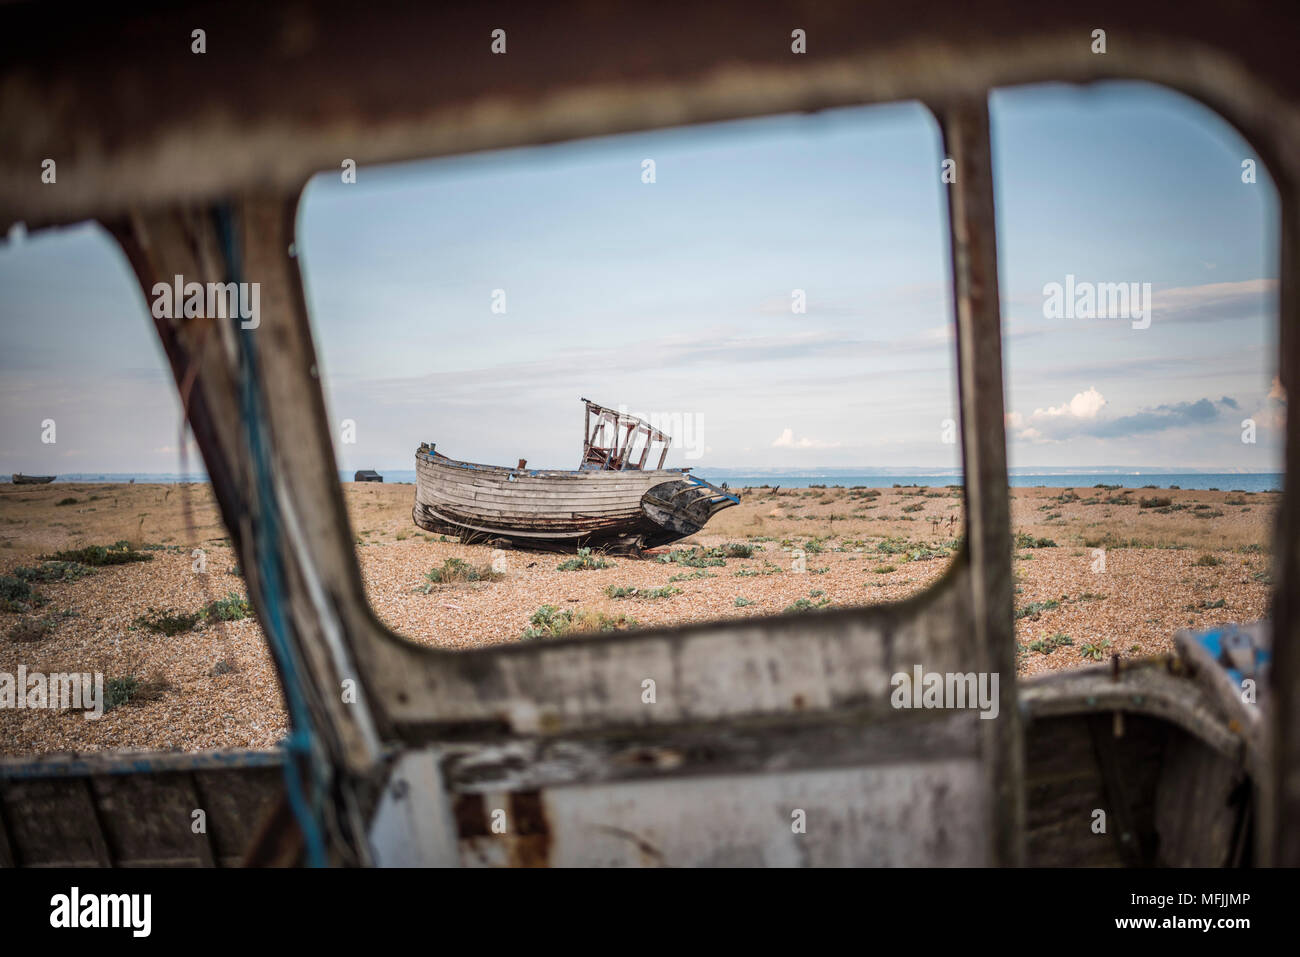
674, 298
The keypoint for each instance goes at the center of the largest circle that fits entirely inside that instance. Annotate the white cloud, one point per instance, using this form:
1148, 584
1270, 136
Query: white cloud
1217, 300
1084, 405
1082, 417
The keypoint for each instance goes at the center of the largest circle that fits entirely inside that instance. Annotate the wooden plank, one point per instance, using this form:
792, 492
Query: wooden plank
431, 515
1147, 688
617, 481
53, 823
625, 498
972, 228
798, 742
541, 513
95, 824
533, 502
1062, 789
912, 814
203, 841
584, 482
553, 500
571, 528
562, 490
237, 803
578, 476
1129, 837
1195, 818
58, 765
547, 515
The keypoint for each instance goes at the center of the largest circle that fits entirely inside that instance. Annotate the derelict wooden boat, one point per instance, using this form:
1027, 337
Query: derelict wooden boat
21, 479
611, 501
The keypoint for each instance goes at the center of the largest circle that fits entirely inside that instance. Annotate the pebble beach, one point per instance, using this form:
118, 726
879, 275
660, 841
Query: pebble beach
1098, 571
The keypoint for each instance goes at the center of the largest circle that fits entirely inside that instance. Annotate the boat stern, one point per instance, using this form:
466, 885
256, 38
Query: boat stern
684, 506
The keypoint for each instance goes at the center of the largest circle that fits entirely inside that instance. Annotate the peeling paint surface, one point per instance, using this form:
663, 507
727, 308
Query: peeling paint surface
929, 813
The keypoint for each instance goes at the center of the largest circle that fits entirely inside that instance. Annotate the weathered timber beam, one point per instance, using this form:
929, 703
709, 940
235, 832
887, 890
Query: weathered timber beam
972, 228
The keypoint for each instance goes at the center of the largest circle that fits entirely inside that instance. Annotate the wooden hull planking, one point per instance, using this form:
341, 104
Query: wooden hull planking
565, 510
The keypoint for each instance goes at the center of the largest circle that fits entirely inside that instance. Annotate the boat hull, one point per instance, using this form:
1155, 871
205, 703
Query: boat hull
559, 510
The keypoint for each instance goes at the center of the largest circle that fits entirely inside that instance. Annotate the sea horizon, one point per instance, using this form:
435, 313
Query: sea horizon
1025, 477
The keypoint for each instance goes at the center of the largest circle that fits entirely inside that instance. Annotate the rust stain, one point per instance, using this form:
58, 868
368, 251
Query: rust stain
530, 843
470, 812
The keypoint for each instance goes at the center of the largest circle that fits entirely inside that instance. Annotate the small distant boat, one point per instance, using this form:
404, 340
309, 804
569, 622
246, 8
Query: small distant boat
611, 501
367, 475
21, 479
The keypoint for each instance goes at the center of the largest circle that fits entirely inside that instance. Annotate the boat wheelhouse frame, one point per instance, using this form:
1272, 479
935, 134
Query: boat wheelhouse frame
610, 440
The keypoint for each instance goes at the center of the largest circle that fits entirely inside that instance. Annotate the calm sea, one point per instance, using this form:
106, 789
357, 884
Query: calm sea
1226, 481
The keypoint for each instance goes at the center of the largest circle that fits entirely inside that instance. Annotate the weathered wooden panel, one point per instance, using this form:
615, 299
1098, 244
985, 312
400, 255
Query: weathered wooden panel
702, 750
146, 820
237, 802
53, 823
1199, 805
1164, 789
136, 810
551, 501
879, 790
1062, 790
923, 813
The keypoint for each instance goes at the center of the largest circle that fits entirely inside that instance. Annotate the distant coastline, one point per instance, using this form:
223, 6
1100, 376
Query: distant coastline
1224, 481
806, 478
